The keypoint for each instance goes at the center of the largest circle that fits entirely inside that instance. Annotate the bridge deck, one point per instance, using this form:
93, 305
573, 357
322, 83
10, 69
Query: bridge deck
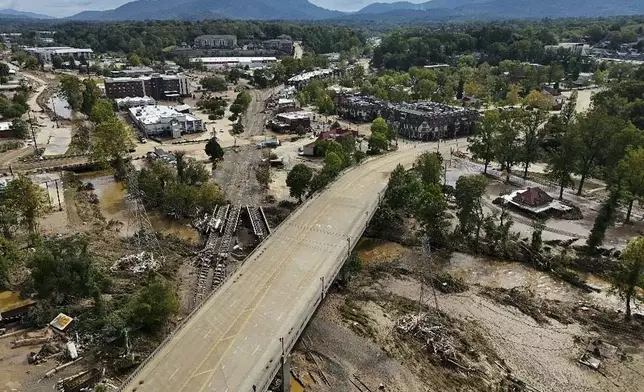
233, 341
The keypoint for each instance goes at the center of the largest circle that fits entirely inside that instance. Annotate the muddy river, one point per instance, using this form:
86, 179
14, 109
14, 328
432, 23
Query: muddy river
502, 274
115, 206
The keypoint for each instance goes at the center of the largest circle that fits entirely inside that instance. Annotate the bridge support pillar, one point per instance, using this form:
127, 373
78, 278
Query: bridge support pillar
286, 373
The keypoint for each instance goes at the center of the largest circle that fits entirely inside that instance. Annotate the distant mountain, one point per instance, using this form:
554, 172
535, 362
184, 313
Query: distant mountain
403, 11
13, 14
212, 9
551, 8
381, 8
498, 9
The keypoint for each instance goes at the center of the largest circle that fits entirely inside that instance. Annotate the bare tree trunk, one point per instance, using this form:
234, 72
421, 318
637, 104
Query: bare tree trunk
630, 210
525, 171
581, 184
628, 307
561, 188
485, 167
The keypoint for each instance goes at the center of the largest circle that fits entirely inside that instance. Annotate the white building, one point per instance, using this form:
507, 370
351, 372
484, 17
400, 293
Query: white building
164, 120
129, 102
228, 62
45, 54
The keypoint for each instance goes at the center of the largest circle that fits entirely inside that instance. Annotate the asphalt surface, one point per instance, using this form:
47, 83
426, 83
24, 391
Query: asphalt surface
233, 341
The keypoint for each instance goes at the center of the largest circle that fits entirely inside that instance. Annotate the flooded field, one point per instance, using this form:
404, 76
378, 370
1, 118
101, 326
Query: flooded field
115, 206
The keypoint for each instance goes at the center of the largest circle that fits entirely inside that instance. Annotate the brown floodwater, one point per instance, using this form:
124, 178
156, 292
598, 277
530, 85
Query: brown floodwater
114, 205
503, 274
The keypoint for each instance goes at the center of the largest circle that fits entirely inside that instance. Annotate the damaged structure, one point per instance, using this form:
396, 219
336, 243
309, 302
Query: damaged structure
420, 120
535, 201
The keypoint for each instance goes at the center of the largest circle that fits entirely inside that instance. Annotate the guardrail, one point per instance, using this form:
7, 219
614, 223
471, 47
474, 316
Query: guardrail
257, 251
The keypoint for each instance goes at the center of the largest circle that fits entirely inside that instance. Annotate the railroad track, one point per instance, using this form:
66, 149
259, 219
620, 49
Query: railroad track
212, 259
258, 222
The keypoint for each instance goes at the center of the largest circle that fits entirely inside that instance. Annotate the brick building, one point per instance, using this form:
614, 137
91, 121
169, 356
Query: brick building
420, 120
159, 87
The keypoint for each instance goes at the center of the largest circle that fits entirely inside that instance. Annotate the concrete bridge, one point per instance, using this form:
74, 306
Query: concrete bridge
236, 340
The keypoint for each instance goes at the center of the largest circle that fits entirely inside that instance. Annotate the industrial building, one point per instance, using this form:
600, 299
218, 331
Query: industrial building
157, 86
301, 80
45, 54
421, 120
229, 62
160, 121
216, 41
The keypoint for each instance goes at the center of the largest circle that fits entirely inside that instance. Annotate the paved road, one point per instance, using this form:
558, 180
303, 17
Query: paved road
233, 341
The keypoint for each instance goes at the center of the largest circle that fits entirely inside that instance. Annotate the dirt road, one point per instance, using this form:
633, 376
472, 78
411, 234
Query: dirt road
254, 121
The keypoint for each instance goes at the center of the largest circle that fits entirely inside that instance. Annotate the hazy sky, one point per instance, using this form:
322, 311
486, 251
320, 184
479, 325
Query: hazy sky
60, 8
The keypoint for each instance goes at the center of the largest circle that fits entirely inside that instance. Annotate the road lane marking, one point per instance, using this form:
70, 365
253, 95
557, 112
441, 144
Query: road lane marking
175, 372
257, 348
206, 335
265, 288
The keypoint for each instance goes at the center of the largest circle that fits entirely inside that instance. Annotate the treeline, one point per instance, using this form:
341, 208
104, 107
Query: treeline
522, 41
148, 39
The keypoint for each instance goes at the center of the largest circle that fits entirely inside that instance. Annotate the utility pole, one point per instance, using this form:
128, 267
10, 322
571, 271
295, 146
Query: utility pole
33, 134
53, 107
427, 252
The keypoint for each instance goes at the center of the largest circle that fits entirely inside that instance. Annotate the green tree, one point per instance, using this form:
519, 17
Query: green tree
154, 305
629, 274
62, 269
214, 83
111, 142
482, 142
379, 125
91, 94
513, 97
429, 167
27, 199
431, 212
469, 204
72, 89
569, 109
325, 104
631, 170
531, 138
214, 150
378, 142
562, 160
20, 129
605, 219
298, 180
102, 111
134, 59
32, 63
333, 163
594, 132
9, 257
538, 100
238, 128
506, 142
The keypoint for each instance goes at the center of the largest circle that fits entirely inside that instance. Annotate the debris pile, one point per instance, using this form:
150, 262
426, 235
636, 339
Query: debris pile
136, 263
436, 337
446, 283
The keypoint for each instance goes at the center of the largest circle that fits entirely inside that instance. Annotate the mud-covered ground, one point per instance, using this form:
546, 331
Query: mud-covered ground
488, 337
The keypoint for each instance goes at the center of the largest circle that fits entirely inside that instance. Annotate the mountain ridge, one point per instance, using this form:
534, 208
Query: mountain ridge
15, 14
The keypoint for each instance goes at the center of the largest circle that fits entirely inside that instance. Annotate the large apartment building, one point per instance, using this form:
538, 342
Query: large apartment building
419, 120
216, 41
157, 86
